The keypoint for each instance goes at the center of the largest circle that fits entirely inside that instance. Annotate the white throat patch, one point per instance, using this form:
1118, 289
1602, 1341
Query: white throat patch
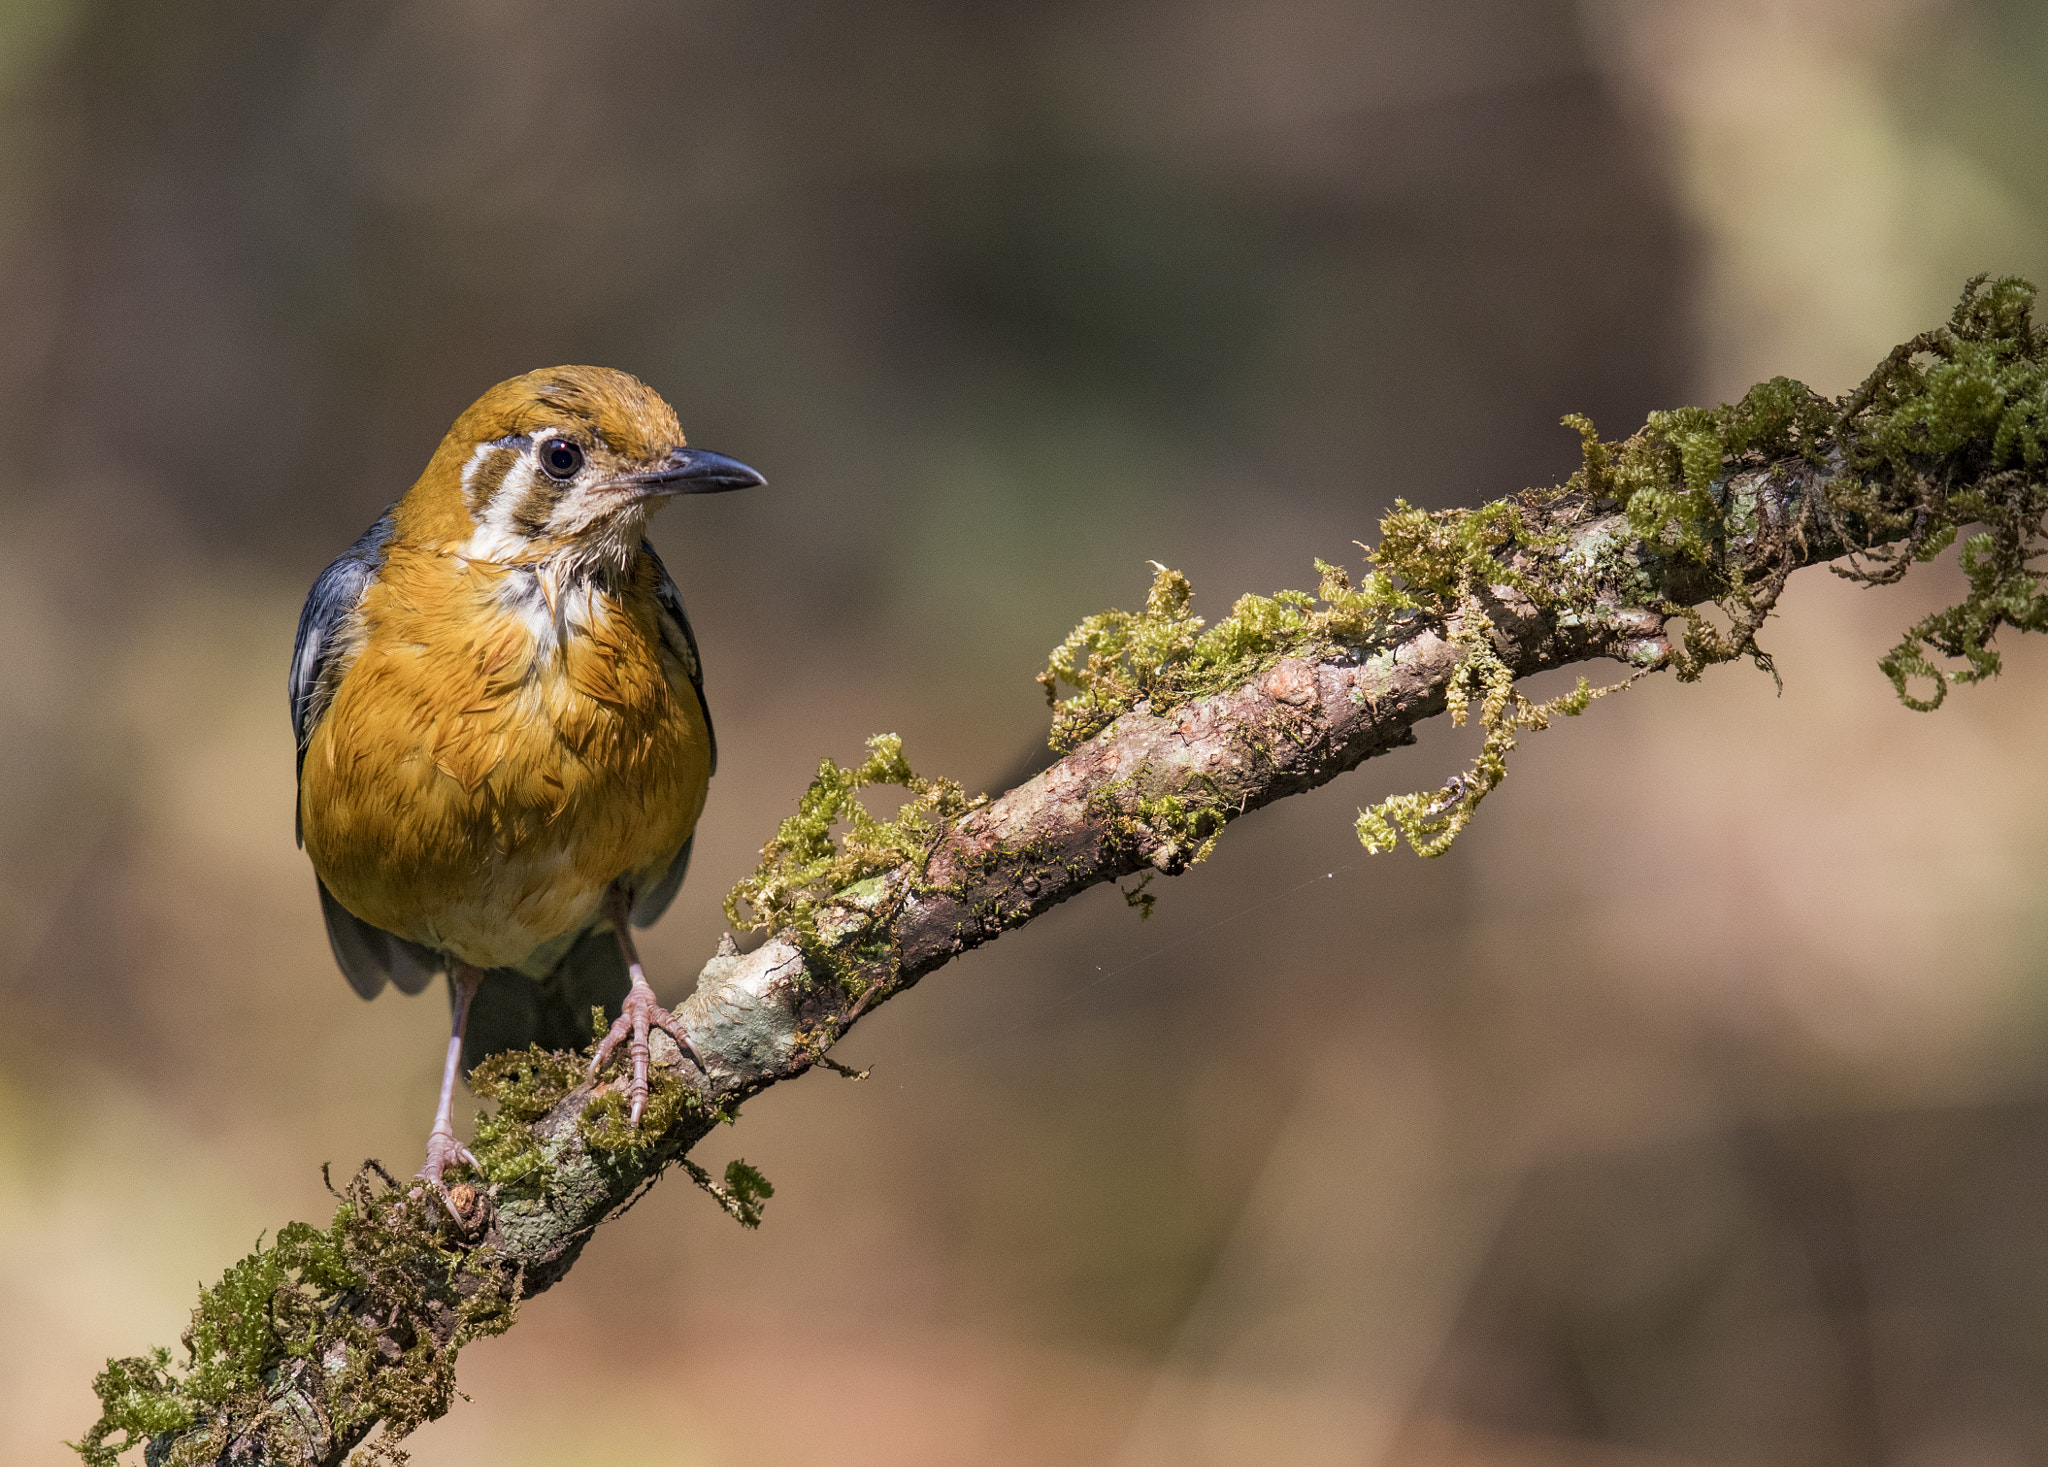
557, 600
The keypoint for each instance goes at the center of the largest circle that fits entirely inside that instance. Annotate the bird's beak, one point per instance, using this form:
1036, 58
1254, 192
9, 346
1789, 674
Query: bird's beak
693, 471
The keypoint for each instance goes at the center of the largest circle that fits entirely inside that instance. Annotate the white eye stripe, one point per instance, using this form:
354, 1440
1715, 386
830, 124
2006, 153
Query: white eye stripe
519, 510
482, 479
498, 535
486, 455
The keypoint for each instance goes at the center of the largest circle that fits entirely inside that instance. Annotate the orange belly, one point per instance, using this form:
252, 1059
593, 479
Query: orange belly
478, 782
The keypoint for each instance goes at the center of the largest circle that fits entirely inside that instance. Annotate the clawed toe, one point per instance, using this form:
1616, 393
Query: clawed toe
638, 1019
672, 1025
443, 1151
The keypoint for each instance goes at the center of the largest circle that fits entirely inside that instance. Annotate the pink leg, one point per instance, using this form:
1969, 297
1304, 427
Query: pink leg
640, 1016
443, 1150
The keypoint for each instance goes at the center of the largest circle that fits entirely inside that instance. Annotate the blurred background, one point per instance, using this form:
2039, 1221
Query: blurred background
1694, 1109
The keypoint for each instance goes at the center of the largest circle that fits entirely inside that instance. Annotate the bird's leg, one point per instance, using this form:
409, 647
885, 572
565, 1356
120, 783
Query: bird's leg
640, 1016
443, 1150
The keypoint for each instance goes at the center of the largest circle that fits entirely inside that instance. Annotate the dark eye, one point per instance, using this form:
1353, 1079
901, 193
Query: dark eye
560, 458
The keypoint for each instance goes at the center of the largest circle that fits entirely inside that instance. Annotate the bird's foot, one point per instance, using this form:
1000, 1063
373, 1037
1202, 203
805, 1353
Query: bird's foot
638, 1019
443, 1151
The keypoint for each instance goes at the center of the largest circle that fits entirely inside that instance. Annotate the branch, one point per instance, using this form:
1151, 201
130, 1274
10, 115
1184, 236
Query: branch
1174, 731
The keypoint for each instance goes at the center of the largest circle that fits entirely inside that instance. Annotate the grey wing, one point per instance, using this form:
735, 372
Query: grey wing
680, 638
333, 599
368, 956
648, 905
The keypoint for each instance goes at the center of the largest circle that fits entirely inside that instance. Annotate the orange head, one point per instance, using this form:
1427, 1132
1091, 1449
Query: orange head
565, 462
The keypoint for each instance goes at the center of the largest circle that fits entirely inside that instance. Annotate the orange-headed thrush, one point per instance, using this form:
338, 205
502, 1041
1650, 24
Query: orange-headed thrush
502, 736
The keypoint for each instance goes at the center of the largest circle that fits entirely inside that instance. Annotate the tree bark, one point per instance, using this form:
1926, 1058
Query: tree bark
1577, 581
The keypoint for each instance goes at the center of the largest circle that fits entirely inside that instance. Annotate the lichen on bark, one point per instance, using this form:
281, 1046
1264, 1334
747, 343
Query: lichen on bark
1173, 730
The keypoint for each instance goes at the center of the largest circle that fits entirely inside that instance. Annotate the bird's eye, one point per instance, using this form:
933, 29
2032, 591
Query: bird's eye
561, 458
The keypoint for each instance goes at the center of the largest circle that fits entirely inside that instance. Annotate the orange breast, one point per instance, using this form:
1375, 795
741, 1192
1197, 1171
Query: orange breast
487, 768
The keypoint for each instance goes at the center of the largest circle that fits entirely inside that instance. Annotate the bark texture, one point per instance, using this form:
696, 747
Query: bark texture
1691, 511
771, 1014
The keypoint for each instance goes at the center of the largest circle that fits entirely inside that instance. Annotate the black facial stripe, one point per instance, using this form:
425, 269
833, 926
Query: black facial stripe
489, 476
537, 506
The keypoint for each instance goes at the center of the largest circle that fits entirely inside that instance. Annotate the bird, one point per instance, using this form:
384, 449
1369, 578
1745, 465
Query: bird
503, 743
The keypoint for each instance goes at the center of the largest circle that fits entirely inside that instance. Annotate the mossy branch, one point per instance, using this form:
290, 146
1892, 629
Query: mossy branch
1172, 730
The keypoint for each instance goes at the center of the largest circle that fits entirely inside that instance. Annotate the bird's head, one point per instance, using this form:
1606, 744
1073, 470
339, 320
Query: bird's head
566, 461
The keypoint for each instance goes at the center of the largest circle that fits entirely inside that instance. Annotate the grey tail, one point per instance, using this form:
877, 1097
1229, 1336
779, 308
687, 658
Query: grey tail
369, 956
512, 1011
651, 903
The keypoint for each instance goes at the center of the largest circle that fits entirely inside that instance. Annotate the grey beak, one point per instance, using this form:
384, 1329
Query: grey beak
697, 471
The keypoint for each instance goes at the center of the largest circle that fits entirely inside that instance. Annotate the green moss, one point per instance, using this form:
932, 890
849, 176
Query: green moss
604, 1123
833, 843
1983, 386
1432, 820
139, 1398
1665, 479
1778, 419
1958, 412
1428, 563
816, 877
1948, 431
1191, 829
526, 1085
267, 1307
1166, 654
1436, 557
1670, 478
2005, 590
744, 1194
356, 1303
1958, 415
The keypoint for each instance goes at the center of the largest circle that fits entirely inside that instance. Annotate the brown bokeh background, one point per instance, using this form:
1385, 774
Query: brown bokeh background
1693, 1109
